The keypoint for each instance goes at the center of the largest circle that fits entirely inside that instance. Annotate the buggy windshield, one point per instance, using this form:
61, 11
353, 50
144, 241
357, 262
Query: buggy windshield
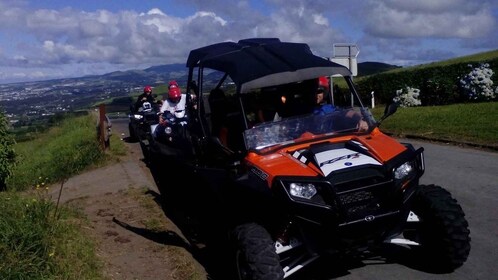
301, 128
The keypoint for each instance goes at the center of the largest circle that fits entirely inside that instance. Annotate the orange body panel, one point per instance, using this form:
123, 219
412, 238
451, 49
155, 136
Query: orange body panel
382, 147
281, 163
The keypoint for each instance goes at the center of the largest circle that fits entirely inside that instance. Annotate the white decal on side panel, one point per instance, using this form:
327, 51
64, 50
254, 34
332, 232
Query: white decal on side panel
300, 157
359, 145
332, 160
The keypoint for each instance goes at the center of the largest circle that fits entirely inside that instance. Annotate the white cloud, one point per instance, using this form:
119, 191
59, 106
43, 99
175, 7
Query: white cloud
68, 40
320, 20
163, 22
210, 15
303, 23
438, 19
156, 11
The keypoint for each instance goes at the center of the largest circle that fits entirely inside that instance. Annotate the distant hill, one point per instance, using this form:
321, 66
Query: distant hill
178, 67
50, 96
161, 74
370, 68
73, 93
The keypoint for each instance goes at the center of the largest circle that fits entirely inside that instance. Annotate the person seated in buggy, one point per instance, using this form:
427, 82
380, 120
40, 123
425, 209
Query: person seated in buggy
324, 107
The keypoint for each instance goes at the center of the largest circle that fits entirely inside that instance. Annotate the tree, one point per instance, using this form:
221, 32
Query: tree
7, 153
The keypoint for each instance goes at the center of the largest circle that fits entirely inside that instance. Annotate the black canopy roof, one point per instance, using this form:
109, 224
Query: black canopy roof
261, 62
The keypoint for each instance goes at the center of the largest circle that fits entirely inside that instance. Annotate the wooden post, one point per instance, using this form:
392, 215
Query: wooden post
102, 127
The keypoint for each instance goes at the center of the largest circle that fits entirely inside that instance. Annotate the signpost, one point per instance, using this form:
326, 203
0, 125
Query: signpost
345, 54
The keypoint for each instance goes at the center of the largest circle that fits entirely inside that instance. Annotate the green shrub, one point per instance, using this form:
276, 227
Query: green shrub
438, 84
7, 154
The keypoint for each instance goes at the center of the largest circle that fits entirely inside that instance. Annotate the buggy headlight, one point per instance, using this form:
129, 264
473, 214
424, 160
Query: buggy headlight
168, 130
405, 171
137, 116
302, 190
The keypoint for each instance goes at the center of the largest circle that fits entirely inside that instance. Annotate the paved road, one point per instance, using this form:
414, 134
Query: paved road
472, 177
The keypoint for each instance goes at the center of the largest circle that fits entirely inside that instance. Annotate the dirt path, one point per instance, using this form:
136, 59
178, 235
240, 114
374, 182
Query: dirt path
135, 239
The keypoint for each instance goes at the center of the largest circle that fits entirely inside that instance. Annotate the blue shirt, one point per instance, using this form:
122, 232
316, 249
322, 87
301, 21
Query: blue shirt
324, 109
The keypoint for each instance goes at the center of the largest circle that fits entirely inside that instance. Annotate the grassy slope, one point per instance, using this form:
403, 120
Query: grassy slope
484, 56
63, 151
467, 123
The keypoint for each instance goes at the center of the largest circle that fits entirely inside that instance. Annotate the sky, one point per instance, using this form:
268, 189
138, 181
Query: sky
51, 39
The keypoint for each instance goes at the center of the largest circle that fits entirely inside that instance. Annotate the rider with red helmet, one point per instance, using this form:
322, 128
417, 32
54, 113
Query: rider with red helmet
146, 96
175, 101
173, 111
322, 90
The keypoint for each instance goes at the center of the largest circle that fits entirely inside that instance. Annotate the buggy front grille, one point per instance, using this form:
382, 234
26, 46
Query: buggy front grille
358, 199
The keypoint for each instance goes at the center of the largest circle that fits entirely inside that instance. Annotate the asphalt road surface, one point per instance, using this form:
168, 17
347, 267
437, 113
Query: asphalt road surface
471, 176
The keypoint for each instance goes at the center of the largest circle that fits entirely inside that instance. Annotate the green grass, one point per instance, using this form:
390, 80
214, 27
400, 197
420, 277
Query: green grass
474, 123
35, 245
61, 152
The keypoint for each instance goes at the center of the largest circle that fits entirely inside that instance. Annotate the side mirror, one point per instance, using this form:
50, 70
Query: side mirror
389, 110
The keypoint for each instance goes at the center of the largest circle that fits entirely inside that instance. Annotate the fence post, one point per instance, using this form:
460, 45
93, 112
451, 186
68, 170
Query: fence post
102, 127
373, 100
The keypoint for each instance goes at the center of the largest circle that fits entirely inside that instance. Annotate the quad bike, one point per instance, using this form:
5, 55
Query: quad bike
169, 136
140, 121
156, 136
292, 189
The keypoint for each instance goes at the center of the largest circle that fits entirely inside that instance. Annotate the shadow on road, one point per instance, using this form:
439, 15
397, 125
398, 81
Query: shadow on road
183, 206
190, 210
163, 237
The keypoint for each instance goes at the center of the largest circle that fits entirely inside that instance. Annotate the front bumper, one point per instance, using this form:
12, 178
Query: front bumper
357, 204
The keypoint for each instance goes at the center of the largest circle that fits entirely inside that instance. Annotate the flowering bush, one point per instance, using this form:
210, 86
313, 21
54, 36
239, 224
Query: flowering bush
408, 97
477, 85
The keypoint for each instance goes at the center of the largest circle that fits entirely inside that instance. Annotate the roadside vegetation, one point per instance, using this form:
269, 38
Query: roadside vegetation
453, 100
37, 244
7, 153
60, 153
38, 238
462, 80
472, 123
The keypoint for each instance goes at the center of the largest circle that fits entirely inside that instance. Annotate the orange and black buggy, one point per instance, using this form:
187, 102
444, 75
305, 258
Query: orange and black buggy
291, 180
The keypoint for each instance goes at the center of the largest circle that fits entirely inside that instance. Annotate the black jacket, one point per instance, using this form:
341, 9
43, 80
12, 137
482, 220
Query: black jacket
148, 97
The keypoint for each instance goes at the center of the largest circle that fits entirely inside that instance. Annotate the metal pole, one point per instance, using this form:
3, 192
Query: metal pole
351, 69
332, 90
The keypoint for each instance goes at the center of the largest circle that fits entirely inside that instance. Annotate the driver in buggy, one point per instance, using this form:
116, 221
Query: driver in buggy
324, 107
